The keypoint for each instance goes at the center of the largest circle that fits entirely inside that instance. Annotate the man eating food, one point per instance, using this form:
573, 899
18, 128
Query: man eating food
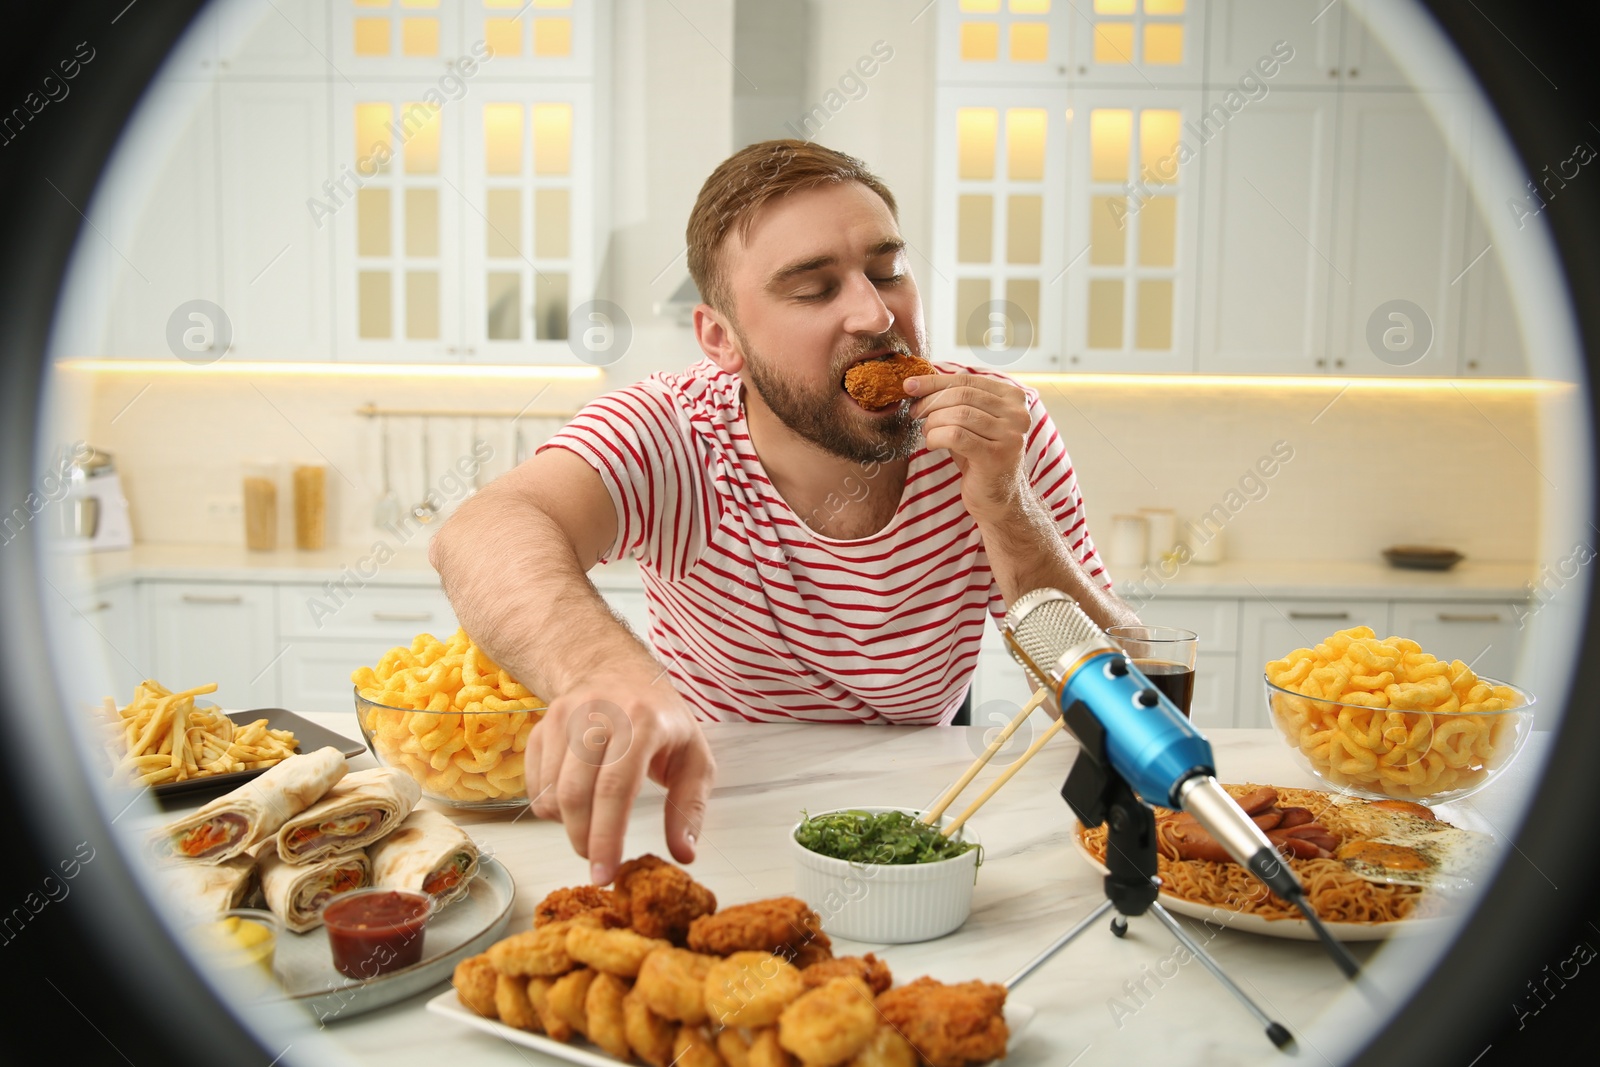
807, 556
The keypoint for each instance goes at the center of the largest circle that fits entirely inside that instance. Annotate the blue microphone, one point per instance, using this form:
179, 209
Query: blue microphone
1148, 741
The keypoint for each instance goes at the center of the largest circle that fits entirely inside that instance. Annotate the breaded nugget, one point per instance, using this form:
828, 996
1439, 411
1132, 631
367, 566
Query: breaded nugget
602, 1007
829, 1024
567, 998
868, 968
579, 900
649, 1035
886, 1048
765, 1051
533, 952
511, 1001
672, 981
734, 1047
659, 899
949, 1025
750, 989
617, 952
782, 925
692, 1047
877, 383
539, 996
474, 979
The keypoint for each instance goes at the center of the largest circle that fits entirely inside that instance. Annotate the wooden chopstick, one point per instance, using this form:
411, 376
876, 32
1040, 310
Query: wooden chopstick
932, 815
1005, 776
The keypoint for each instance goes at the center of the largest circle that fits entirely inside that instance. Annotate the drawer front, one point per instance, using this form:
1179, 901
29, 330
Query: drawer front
1482, 634
1215, 705
315, 675
396, 613
1214, 622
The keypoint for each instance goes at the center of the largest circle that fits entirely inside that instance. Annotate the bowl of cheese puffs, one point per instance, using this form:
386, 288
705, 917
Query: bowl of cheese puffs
1381, 718
446, 714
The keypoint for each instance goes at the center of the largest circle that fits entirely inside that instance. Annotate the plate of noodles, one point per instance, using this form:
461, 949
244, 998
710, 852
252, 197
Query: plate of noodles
1432, 863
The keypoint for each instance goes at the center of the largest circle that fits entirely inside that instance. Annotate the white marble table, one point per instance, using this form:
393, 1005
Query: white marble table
1032, 887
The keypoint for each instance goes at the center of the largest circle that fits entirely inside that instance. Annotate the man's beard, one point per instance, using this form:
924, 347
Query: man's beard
816, 415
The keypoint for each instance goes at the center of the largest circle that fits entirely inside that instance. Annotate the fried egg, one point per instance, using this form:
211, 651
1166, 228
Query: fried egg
1400, 848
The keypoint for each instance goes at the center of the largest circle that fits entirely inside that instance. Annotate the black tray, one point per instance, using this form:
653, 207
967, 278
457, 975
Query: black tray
308, 738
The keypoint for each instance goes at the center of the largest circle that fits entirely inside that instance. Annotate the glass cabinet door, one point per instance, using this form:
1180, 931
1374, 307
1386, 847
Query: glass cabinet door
396, 203
528, 184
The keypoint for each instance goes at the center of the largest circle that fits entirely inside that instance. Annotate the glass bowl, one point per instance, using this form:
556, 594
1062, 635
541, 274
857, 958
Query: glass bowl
1409, 755
466, 760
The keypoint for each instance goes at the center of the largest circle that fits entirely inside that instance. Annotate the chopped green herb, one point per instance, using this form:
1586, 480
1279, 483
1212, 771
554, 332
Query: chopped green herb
886, 837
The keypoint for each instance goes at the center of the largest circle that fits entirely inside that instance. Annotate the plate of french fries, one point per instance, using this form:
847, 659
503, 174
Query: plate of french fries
164, 740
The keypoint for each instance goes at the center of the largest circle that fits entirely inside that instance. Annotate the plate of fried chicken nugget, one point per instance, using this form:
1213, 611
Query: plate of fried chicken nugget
650, 972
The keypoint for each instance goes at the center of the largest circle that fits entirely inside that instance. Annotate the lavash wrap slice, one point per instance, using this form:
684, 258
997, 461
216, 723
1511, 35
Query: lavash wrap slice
204, 890
363, 807
254, 812
425, 849
297, 892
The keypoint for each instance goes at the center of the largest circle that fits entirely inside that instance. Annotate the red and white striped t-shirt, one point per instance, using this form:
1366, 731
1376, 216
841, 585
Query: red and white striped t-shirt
759, 618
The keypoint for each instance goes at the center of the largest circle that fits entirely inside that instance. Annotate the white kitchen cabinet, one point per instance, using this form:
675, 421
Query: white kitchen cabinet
1482, 634
1001, 157
1241, 33
1364, 59
346, 608
1400, 227
1491, 330
528, 257
1138, 45
397, 223
161, 222
215, 632
105, 643
399, 40
1266, 233
990, 44
1271, 629
1215, 623
1217, 698
282, 40
273, 162
1133, 223
314, 675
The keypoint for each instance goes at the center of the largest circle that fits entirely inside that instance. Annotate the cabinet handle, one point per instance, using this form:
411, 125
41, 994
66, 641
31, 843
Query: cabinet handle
196, 598
1319, 615
401, 616
1456, 616
104, 605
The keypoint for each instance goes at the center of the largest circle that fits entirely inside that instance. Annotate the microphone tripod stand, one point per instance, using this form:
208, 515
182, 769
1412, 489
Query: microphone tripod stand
1098, 794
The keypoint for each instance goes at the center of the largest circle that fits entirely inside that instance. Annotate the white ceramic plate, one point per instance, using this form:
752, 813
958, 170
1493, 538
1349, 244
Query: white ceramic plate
1296, 929
448, 1004
466, 927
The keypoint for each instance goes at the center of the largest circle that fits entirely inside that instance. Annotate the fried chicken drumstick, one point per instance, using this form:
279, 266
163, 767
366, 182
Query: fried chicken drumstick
876, 384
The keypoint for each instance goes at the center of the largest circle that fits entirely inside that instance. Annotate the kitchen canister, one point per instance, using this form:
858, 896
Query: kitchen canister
1130, 539
1163, 526
261, 506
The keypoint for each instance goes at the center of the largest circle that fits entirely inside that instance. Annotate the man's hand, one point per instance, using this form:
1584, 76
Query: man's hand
984, 423
590, 755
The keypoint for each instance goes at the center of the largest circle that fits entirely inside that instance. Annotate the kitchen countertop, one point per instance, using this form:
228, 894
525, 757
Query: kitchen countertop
1344, 579
1032, 887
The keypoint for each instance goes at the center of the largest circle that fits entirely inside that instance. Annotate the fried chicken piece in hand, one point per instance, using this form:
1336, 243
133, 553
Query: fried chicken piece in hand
659, 899
949, 1025
877, 383
784, 926
578, 900
868, 968
830, 1024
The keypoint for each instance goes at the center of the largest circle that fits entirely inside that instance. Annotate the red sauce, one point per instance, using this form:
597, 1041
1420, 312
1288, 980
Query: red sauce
372, 932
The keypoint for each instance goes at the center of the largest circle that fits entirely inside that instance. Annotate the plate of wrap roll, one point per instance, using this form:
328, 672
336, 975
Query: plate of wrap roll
309, 829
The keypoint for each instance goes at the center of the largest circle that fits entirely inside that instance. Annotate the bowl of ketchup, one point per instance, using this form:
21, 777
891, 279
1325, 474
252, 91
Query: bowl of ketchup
375, 931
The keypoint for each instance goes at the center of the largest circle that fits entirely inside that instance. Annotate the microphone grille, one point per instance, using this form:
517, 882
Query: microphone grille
1044, 624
